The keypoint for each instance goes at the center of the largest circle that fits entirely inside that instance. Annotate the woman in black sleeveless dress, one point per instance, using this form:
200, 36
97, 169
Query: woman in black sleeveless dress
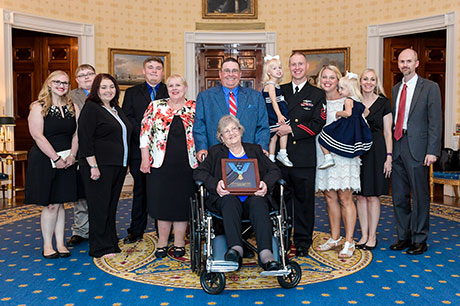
376, 163
51, 174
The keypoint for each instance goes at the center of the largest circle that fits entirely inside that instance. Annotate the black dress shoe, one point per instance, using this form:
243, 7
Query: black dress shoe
417, 249
63, 254
50, 256
233, 255
400, 245
132, 238
271, 266
370, 248
75, 239
301, 251
360, 246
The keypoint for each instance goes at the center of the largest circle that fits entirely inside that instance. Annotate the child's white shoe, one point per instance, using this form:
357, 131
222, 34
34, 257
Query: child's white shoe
283, 158
328, 162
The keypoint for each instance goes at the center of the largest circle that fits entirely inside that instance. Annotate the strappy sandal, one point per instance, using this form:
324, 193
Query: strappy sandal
178, 251
348, 250
331, 244
161, 252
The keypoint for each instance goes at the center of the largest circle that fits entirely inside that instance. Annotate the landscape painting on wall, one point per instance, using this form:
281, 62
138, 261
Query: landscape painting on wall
317, 58
126, 65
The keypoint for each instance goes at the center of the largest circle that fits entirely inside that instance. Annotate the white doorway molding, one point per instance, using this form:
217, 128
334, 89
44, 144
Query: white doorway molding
194, 38
448, 21
10, 19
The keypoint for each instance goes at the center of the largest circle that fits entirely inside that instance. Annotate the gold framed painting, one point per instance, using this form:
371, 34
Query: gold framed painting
229, 9
317, 58
125, 65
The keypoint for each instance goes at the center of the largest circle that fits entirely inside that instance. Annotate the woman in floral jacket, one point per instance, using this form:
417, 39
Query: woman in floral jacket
168, 159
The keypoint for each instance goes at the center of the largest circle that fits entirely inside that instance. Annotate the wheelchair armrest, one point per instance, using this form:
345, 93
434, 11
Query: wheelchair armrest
281, 182
198, 184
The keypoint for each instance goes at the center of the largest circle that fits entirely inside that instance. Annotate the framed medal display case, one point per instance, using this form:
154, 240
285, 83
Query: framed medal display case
240, 176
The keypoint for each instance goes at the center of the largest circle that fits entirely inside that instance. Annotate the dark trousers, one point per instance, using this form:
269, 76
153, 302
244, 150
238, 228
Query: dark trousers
409, 177
139, 208
301, 190
102, 197
232, 211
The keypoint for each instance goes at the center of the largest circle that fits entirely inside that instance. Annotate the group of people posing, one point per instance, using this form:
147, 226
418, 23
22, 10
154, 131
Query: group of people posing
341, 137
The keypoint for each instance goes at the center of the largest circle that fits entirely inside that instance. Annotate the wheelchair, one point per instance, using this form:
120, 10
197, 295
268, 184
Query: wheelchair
207, 246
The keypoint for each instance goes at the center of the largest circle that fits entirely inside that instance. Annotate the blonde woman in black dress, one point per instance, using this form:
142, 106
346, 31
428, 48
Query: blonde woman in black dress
376, 163
51, 175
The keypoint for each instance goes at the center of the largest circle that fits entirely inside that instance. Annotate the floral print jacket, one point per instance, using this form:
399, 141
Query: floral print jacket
155, 128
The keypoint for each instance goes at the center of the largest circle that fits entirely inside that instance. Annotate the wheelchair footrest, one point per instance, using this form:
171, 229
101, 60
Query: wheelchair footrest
276, 273
221, 266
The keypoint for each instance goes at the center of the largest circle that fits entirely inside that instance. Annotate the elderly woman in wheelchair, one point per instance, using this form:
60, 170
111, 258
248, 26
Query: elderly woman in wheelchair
233, 208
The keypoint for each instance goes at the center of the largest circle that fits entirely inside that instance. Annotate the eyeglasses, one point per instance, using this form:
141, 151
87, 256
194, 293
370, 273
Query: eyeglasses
89, 74
230, 131
228, 71
59, 83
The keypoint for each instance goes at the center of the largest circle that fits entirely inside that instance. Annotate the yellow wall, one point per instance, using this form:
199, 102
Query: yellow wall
299, 24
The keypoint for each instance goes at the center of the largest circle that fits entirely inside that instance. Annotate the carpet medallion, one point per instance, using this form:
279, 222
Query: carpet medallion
137, 262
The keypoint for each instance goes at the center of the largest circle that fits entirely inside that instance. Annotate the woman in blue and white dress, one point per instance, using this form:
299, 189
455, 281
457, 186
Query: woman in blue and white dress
339, 181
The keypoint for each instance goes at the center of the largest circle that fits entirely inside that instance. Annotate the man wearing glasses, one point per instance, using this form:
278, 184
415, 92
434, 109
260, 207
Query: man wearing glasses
245, 104
85, 76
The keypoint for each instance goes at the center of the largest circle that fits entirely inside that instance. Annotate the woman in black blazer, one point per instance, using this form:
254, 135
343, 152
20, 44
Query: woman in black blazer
104, 133
233, 208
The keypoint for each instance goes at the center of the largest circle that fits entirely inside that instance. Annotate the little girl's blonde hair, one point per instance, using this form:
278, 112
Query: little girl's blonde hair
269, 64
351, 82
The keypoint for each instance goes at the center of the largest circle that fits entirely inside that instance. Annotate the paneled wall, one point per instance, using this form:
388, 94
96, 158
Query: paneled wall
299, 24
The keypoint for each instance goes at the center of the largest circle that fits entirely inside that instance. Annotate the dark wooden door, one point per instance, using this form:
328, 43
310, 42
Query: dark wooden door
431, 50
35, 56
210, 61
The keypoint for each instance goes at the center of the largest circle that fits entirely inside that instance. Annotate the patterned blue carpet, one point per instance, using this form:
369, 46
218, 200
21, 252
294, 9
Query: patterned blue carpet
382, 277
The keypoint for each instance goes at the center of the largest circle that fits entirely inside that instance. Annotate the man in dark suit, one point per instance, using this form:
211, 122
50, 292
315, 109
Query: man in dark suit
136, 100
307, 112
416, 145
246, 104
80, 228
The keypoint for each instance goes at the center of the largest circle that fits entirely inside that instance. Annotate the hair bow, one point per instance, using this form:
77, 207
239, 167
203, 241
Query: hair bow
269, 58
351, 75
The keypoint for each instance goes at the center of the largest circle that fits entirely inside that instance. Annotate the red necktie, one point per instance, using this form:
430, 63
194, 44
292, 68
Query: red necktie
401, 110
232, 104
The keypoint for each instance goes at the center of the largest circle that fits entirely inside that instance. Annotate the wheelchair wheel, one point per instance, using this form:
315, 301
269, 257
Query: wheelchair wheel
195, 238
292, 279
212, 282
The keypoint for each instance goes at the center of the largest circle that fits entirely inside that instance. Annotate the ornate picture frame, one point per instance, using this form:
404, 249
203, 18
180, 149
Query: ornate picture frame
229, 9
317, 58
240, 176
125, 65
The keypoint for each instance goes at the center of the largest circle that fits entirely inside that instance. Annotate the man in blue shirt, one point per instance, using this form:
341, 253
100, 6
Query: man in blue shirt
246, 104
136, 101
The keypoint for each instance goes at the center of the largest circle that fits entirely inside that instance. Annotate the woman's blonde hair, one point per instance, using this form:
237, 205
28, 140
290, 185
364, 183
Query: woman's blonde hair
224, 122
267, 66
331, 68
378, 90
352, 84
178, 77
45, 97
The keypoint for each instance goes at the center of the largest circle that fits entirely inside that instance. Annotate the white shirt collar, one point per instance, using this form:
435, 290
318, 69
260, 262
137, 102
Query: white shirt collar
301, 85
412, 82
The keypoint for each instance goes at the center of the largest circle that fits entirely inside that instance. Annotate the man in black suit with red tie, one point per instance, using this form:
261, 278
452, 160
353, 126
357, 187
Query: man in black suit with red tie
416, 145
307, 112
136, 100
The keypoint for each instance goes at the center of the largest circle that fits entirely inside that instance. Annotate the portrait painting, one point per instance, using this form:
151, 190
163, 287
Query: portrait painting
229, 9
